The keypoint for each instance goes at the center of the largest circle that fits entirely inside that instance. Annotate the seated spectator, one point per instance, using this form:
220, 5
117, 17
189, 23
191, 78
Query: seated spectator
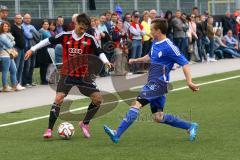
221, 49
230, 40
7, 44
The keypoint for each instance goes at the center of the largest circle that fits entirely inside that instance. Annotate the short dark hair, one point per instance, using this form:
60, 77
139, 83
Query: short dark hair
160, 24
194, 8
84, 19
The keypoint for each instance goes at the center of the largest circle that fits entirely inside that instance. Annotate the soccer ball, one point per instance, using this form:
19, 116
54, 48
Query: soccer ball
65, 130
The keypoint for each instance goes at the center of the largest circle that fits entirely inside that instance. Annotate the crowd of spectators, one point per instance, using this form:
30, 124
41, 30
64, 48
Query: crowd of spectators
122, 36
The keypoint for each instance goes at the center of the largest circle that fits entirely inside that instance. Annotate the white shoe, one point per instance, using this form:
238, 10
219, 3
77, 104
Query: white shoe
212, 60
19, 87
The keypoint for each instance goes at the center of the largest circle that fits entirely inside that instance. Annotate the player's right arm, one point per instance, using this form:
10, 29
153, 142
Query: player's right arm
146, 58
52, 40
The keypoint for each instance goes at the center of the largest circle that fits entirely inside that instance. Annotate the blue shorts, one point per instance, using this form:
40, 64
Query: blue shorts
153, 94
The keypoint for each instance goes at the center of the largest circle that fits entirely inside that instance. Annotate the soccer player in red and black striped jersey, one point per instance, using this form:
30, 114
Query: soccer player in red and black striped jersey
78, 47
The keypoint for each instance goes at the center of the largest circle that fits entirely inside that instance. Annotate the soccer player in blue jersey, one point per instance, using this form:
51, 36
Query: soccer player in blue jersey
162, 57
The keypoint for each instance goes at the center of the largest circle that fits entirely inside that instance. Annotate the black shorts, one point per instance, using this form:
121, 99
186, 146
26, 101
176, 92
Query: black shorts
86, 87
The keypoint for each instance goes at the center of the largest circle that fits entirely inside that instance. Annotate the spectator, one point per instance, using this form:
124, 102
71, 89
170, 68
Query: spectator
71, 25
60, 25
127, 22
136, 35
193, 38
153, 15
179, 32
228, 23
43, 57
96, 31
221, 49
210, 34
121, 49
230, 40
185, 41
201, 35
31, 37
108, 21
52, 28
168, 16
195, 11
147, 37
3, 13
17, 32
8, 65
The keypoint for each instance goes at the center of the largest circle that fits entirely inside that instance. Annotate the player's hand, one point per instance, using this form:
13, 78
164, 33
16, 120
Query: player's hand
109, 65
131, 61
28, 54
193, 87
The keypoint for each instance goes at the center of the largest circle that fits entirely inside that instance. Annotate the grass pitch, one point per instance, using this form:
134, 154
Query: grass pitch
216, 107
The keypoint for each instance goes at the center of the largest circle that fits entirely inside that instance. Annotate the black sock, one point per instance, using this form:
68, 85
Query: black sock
54, 113
92, 110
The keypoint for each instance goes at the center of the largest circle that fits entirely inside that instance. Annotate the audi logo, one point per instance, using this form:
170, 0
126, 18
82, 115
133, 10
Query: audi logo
73, 51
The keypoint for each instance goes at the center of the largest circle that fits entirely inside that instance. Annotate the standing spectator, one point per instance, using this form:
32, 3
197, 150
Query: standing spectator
52, 28
200, 35
8, 65
43, 58
147, 37
31, 37
153, 15
71, 25
60, 25
179, 31
17, 32
193, 38
121, 49
127, 22
185, 41
96, 31
3, 13
168, 16
210, 34
228, 23
136, 35
108, 21
195, 11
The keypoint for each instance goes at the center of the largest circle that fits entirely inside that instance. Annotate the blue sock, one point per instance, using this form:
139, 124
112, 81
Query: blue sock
175, 121
130, 117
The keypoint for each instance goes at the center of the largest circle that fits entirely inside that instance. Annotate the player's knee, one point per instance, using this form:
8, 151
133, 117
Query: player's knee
136, 104
158, 117
97, 99
59, 98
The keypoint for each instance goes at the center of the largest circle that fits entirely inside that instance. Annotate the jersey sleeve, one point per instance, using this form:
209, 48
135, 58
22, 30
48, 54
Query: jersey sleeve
96, 47
56, 39
176, 56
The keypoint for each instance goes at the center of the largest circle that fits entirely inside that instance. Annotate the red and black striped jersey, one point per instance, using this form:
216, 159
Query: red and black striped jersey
75, 52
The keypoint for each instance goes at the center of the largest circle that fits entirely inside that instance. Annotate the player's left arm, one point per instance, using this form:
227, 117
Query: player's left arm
178, 58
99, 52
191, 85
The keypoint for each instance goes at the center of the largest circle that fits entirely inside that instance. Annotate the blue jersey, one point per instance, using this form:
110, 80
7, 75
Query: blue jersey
163, 55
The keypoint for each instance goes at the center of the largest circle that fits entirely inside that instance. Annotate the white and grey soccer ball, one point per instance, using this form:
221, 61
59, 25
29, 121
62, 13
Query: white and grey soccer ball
66, 130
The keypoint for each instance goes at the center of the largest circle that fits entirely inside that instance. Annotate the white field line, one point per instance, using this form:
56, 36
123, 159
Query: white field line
85, 107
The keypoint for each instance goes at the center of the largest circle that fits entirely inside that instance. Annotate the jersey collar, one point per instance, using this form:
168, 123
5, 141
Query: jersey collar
159, 42
76, 37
